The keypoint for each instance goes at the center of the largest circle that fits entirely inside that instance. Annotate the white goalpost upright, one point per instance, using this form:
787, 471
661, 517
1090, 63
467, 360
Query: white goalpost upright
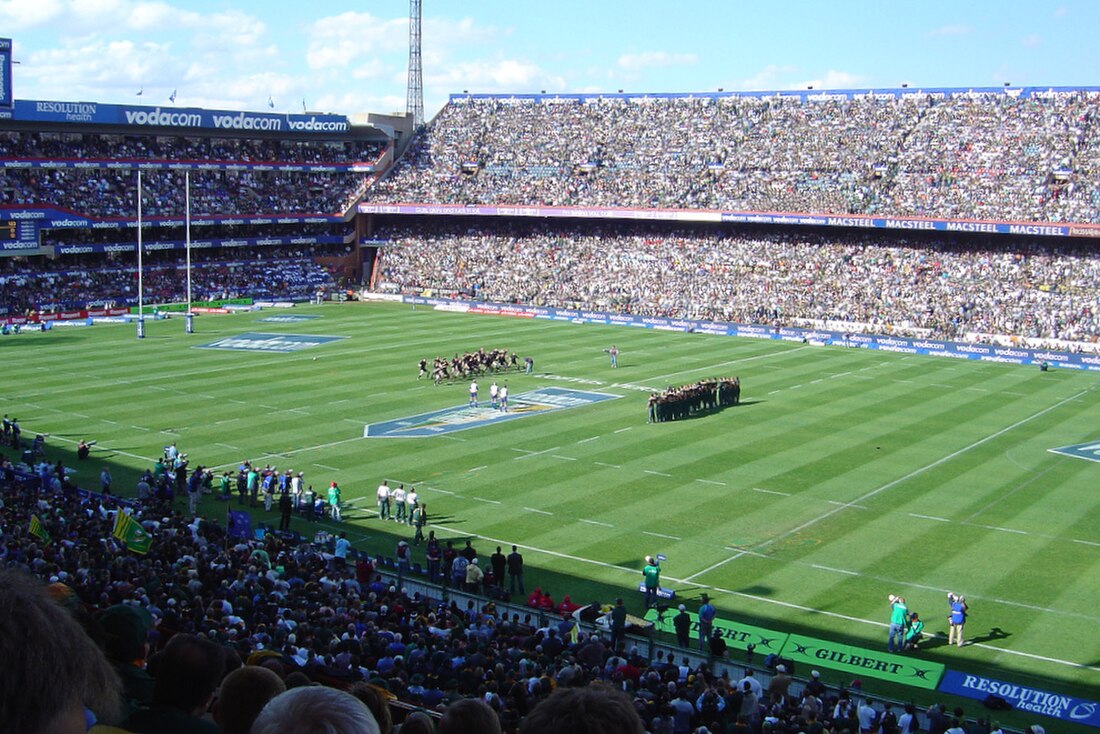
141, 295
190, 317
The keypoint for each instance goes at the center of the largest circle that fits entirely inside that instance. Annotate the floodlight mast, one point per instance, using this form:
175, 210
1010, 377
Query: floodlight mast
414, 104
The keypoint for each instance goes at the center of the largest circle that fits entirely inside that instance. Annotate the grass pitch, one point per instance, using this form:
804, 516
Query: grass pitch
845, 475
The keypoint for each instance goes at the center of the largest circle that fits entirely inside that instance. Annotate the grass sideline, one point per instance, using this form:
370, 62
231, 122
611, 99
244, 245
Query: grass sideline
845, 475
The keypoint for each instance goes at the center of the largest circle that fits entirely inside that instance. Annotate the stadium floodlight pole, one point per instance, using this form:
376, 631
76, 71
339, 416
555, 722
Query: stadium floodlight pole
414, 101
141, 298
190, 318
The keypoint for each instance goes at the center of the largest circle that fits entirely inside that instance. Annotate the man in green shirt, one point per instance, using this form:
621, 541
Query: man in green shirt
652, 574
913, 631
899, 619
334, 501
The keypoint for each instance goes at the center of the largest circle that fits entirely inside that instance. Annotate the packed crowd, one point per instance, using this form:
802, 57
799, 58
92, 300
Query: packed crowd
677, 403
991, 156
179, 622
941, 288
102, 192
264, 272
26, 145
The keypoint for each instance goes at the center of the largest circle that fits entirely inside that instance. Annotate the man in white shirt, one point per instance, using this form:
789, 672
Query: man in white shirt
383, 500
473, 394
411, 501
397, 497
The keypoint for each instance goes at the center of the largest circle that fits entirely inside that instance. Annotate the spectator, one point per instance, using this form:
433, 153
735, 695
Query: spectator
315, 708
243, 694
52, 670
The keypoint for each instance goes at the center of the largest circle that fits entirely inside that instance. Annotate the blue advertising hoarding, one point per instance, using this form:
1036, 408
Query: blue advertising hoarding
1022, 698
819, 337
25, 223
1034, 229
170, 116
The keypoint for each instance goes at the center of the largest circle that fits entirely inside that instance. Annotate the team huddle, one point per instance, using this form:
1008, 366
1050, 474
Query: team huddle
468, 365
680, 402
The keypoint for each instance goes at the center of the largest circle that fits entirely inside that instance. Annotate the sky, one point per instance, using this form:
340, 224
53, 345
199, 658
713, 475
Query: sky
352, 57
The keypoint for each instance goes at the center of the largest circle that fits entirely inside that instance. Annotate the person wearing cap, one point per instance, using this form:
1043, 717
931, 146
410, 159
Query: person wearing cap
652, 575
474, 576
707, 613
814, 684
125, 643
899, 618
682, 624
779, 685
956, 619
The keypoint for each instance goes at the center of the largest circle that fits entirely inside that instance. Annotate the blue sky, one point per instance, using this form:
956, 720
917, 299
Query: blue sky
351, 57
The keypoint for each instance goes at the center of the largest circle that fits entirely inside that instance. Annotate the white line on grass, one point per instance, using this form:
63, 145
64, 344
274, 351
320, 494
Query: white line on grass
479, 468
563, 458
846, 504
834, 570
661, 535
597, 522
1087, 542
656, 473
586, 440
322, 466
541, 512
1003, 530
890, 485
621, 430
609, 466
771, 491
920, 470
113, 423
482, 499
929, 517
773, 392
229, 446
770, 355
454, 438
535, 453
227, 420
840, 374
522, 451
755, 597
711, 481
141, 428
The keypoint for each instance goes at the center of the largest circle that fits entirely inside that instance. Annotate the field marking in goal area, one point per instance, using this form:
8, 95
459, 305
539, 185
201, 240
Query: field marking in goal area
461, 417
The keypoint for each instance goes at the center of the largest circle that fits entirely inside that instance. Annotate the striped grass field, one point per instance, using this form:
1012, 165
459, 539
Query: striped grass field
845, 475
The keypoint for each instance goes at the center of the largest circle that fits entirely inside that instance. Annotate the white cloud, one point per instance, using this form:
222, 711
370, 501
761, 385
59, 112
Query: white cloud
17, 15
958, 29
833, 79
1032, 40
500, 75
655, 59
1061, 11
766, 79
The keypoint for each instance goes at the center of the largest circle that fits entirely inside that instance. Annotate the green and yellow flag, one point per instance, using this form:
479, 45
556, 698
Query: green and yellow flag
38, 531
132, 535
